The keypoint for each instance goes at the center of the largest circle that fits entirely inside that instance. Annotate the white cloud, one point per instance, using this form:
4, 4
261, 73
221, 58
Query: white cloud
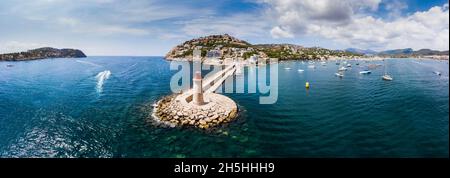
102, 17
239, 25
395, 8
348, 22
279, 32
99, 29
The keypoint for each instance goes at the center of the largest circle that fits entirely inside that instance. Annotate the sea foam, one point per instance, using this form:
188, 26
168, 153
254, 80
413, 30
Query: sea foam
101, 78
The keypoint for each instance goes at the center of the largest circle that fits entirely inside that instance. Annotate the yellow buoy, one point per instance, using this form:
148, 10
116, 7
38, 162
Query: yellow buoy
307, 85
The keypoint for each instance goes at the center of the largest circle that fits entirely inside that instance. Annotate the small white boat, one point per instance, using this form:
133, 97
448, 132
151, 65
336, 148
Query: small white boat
437, 73
339, 74
387, 78
312, 66
365, 72
324, 63
300, 70
349, 65
287, 68
342, 69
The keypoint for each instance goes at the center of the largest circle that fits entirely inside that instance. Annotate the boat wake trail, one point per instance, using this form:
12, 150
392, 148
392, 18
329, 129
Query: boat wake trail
89, 63
101, 78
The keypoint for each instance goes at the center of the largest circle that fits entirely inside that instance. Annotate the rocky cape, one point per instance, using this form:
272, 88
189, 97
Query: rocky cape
226, 46
42, 53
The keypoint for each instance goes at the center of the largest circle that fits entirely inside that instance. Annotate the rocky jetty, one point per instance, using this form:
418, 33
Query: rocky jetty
217, 111
42, 53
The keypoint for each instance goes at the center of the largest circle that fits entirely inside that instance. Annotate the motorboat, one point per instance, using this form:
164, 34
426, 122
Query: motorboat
387, 77
437, 73
342, 69
365, 72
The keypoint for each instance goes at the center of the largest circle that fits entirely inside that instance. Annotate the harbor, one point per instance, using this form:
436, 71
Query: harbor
198, 107
357, 115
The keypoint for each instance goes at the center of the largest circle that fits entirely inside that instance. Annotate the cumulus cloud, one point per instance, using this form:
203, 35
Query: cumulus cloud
349, 22
239, 25
279, 32
102, 17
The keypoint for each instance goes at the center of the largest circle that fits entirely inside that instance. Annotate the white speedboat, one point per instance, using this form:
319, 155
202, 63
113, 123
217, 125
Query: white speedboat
287, 68
437, 73
349, 65
387, 77
339, 74
312, 66
301, 70
365, 72
342, 69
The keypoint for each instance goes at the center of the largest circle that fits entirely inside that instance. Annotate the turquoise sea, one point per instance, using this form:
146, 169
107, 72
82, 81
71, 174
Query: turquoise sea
75, 108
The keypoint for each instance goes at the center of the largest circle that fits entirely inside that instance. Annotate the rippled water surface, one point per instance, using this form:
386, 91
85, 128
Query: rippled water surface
98, 107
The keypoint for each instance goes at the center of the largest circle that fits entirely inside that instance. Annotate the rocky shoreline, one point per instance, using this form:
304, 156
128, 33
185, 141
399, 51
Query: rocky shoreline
173, 113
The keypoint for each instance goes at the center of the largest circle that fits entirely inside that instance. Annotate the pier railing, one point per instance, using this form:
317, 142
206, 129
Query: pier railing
210, 84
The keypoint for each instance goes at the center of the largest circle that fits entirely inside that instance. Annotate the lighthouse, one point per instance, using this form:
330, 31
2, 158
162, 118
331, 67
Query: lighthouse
198, 91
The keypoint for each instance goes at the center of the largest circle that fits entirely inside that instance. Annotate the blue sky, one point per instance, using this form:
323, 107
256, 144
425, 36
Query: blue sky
139, 27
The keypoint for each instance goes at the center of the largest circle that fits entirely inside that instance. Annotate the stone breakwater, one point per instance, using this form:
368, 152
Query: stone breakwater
174, 112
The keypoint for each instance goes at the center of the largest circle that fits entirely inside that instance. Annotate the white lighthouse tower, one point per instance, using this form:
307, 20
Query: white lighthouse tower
198, 91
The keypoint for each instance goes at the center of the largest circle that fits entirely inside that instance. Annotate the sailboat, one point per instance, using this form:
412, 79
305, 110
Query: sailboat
386, 76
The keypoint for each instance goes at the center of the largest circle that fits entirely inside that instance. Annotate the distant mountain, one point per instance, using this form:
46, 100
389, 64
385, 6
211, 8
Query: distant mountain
430, 52
361, 51
406, 51
42, 53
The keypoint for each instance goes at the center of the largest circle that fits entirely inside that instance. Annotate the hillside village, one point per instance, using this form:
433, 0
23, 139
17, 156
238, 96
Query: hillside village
225, 47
